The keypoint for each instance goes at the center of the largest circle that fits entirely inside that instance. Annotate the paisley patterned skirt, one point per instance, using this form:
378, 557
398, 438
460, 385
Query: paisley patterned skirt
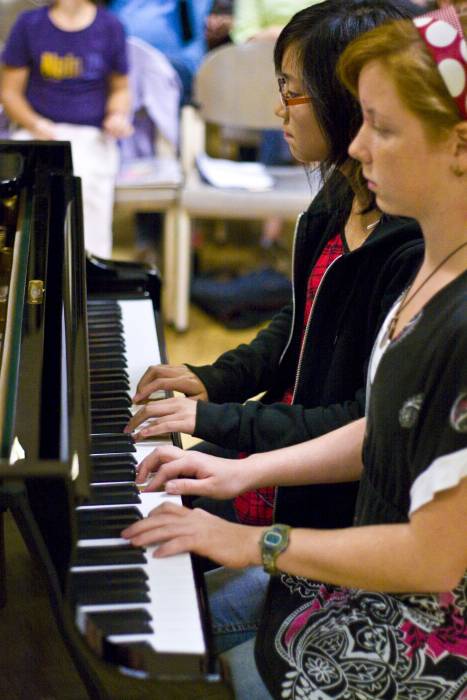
350, 644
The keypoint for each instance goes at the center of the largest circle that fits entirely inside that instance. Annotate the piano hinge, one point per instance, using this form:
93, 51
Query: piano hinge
17, 452
36, 291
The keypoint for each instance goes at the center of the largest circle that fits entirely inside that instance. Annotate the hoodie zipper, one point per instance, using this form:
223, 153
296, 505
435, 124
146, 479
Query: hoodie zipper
305, 336
294, 301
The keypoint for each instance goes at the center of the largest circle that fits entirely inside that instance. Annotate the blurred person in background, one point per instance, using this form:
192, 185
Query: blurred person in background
177, 29
65, 77
219, 23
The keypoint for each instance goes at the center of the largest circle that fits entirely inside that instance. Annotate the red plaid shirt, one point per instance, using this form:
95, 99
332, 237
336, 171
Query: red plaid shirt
256, 507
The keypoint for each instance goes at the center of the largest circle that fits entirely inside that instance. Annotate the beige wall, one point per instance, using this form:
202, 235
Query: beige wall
9, 9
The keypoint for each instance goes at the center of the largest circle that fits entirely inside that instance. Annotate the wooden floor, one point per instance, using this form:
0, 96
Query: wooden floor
34, 664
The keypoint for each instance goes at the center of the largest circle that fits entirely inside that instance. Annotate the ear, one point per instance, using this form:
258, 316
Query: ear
459, 149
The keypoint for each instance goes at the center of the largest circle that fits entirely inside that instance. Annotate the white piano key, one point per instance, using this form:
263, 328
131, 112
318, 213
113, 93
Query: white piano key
173, 607
174, 604
139, 330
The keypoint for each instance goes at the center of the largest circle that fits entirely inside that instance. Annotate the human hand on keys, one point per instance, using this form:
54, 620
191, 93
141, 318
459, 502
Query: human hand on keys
170, 378
175, 415
192, 473
177, 529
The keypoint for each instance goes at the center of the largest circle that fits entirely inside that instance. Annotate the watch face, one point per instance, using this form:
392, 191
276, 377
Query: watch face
272, 539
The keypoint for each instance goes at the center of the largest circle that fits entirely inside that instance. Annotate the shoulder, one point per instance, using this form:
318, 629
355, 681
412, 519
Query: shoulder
332, 202
453, 299
399, 240
31, 17
108, 19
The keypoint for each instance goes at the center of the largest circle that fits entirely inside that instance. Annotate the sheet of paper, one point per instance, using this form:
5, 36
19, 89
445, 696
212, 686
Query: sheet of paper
228, 173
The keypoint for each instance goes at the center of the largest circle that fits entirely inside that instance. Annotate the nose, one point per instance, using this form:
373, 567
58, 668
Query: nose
281, 111
358, 148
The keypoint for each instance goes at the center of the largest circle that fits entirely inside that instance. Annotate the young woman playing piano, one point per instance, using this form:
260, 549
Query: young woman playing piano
389, 618
350, 265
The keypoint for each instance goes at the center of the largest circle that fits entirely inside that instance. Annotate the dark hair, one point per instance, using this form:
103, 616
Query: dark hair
318, 35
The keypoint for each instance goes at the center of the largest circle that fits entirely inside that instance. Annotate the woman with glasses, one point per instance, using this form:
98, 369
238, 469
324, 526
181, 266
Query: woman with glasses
378, 610
349, 265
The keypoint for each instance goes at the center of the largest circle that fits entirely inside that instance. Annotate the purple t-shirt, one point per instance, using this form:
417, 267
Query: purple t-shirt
69, 74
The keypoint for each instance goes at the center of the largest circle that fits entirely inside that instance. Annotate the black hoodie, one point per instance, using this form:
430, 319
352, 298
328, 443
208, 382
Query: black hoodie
353, 298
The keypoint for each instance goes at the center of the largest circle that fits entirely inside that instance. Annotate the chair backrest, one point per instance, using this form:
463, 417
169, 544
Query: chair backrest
236, 86
155, 89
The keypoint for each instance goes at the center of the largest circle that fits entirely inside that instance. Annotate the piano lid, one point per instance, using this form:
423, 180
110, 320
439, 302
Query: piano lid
43, 376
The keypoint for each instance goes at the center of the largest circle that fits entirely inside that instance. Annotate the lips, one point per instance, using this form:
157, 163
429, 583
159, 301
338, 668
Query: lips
287, 136
369, 183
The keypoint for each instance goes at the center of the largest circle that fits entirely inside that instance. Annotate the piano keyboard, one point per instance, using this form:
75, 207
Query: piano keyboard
124, 593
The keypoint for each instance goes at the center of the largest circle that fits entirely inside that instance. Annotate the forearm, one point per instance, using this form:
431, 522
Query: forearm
245, 371
379, 558
118, 101
426, 554
331, 458
19, 110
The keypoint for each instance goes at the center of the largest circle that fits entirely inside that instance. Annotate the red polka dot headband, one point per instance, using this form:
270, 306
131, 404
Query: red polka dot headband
442, 33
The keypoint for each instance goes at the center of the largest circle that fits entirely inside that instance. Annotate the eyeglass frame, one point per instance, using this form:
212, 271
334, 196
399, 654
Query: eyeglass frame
290, 101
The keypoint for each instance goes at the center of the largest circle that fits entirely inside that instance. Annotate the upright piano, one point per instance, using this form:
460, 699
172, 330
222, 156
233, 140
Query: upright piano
76, 333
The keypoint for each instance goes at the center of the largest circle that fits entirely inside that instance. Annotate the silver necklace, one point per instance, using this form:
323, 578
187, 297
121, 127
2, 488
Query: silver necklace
375, 223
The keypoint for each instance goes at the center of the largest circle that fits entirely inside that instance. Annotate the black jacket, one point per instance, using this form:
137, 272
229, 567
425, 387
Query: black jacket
354, 296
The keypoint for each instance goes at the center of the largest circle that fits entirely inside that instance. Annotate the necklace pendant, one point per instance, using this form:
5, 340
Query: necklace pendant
388, 335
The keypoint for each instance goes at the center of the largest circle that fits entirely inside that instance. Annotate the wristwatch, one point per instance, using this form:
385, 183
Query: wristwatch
273, 541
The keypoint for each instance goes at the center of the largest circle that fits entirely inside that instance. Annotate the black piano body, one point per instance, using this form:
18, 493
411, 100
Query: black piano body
47, 416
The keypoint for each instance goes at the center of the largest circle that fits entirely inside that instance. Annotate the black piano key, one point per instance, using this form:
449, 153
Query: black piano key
97, 337
115, 623
123, 466
108, 443
109, 394
111, 403
93, 531
113, 495
109, 348
109, 412
109, 556
103, 313
113, 475
111, 439
101, 327
94, 313
110, 577
108, 427
99, 385
105, 373
112, 461
101, 340
126, 514
112, 417
109, 362
117, 518
110, 596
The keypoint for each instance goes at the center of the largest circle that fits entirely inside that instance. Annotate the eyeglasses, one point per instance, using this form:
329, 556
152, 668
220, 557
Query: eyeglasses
288, 101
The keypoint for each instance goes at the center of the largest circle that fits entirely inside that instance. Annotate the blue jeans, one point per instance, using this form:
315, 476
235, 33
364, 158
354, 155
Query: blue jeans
246, 681
236, 599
